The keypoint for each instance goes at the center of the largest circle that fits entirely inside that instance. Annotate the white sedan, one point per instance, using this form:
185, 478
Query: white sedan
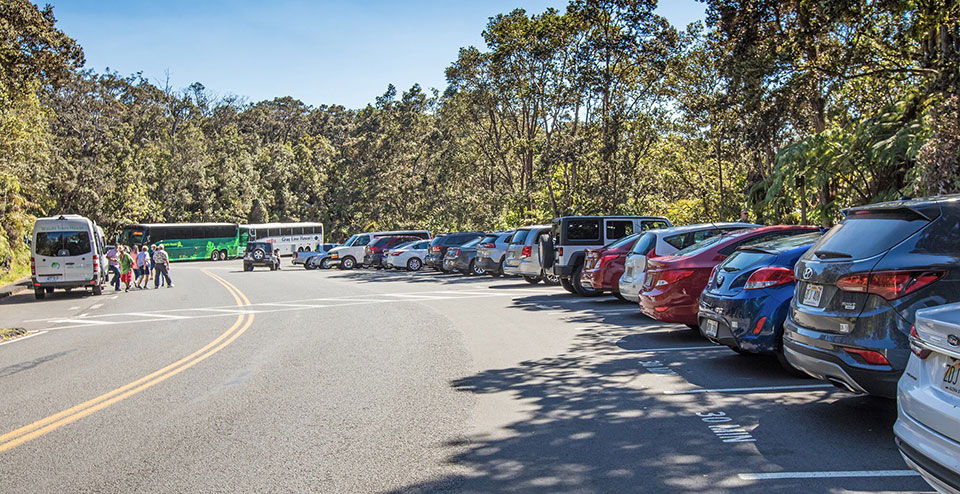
408, 256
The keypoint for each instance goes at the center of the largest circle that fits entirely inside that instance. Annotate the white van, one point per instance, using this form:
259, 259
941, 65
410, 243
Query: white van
350, 254
67, 252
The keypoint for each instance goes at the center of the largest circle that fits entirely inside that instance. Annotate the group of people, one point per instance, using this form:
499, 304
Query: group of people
137, 266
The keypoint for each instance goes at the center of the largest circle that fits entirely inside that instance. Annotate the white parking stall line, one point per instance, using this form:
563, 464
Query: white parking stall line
31, 335
154, 314
315, 306
417, 296
676, 349
88, 322
827, 474
758, 389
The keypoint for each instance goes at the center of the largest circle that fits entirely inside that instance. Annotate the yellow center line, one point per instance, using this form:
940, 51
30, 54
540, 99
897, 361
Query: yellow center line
43, 426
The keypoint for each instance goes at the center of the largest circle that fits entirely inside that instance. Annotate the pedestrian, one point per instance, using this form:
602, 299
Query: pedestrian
126, 267
276, 258
143, 261
155, 260
113, 262
161, 262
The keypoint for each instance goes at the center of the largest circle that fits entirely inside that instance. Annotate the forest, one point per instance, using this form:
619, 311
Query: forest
788, 111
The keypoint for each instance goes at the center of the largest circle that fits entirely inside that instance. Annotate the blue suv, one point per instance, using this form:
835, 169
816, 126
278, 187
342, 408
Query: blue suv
860, 286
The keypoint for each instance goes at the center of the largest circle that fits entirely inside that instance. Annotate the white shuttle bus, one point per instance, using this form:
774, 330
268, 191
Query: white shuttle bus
67, 251
288, 238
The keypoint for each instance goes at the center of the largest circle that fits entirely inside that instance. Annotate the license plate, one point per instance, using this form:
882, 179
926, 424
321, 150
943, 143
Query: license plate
811, 296
710, 328
649, 280
52, 277
951, 378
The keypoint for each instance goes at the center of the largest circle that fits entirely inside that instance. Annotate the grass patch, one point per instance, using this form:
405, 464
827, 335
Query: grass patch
11, 333
19, 268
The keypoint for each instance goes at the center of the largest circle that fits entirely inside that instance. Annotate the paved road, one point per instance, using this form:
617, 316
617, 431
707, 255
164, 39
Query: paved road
331, 381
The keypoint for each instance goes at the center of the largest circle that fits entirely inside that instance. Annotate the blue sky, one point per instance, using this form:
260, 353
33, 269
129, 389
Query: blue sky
321, 52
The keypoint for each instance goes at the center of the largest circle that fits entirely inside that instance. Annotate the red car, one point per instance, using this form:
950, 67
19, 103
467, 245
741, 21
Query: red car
603, 267
671, 290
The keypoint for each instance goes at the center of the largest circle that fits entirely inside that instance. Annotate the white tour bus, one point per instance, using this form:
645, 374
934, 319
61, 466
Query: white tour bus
289, 238
67, 251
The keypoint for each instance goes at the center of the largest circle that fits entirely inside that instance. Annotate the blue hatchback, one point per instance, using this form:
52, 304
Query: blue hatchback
748, 296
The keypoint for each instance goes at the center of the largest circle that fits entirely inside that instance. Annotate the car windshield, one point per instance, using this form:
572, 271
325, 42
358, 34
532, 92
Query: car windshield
63, 244
350, 241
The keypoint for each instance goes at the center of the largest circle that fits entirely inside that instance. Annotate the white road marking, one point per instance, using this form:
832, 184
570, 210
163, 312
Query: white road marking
114, 297
96, 306
146, 314
295, 305
86, 322
827, 475
83, 315
31, 335
797, 387
676, 349
74, 307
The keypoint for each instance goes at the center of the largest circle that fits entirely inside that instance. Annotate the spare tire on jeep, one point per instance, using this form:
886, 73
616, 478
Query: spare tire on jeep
546, 252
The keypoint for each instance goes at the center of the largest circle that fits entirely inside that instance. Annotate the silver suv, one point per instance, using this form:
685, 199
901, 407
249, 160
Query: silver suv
523, 257
492, 251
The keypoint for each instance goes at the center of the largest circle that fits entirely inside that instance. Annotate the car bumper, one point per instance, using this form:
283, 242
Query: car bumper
935, 457
827, 361
629, 290
667, 306
738, 316
563, 271
488, 264
63, 284
433, 260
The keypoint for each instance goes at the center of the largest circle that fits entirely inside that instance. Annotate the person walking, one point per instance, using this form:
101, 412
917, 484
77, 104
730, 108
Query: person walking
143, 261
113, 263
161, 262
126, 268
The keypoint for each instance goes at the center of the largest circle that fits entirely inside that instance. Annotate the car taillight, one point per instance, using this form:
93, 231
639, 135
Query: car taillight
869, 356
607, 259
769, 276
435, 248
33, 266
527, 251
916, 346
560, 251
888, 284
713, 273
672, 276
489, 246
96, 264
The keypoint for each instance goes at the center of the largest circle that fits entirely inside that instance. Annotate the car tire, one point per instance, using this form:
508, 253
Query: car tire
568, 285
98, 289
39, 293
258, 254
499, 271
578, 286
414, 264
310, 264
545, 245
348, 263
616, 293
247, 267
549, 279
533, 280
696, 327
49, 290
325, 263
787, 366
476, 270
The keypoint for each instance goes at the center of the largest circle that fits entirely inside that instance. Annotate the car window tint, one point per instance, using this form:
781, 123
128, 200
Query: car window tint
653, 225
519, 237
884, 231
63, 244
742, 259
362, 240
472, 242
583, 229
619, 229
616, 244
678, 241
645, 244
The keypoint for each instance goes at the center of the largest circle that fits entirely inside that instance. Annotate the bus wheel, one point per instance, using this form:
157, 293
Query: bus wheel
215, 255
39, 293
223, 255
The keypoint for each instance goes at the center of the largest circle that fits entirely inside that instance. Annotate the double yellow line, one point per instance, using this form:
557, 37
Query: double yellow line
46, 425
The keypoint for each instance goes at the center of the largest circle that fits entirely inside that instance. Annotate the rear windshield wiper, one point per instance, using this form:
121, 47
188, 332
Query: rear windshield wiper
831, 254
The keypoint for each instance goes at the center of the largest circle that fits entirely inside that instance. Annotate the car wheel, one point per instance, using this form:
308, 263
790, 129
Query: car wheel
414, 264
578, 286
98, 289
696, 327
247, 267
325, 263
787, 366
550, 279
49, 290
348, 263
476, 269
568, 286
533, 280
311, 264
215, 255
259, 254
39, 293
616, 293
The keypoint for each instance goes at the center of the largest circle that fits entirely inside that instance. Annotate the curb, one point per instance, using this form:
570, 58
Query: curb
11, 288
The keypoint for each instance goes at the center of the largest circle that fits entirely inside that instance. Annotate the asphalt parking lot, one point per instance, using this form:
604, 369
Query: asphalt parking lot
429, 383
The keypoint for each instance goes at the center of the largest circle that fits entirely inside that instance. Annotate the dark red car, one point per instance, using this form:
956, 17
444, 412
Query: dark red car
603, 267
671, 290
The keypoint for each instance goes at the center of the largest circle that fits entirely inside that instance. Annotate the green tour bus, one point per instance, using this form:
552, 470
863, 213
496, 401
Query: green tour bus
189, 241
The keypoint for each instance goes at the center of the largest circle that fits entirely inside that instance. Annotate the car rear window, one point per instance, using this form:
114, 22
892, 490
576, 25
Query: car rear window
645, 244
699, 246
63, 244
583, 229
519, 237
616, 244
866, 235
489, 239
743, 259
472, 242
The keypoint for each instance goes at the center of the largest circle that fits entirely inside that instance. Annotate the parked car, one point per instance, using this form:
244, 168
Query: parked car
408, 256
260, 254
464, 258
928, 399
860, 286
313, 259
665, 242
492, 251
564, 251
439, 245
67, 251
374, 253
749, 293
348, 255
523, 257
603, 267
672, 287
